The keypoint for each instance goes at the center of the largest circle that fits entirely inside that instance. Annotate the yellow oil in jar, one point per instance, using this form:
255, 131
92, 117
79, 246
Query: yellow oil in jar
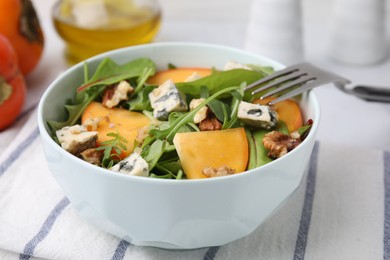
90, 27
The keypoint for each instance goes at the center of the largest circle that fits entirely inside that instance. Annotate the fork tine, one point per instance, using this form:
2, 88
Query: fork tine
293, 93
274, 75
280, 80
298, 82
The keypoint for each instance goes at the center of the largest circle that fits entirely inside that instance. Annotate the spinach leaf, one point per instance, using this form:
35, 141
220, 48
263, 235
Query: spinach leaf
219, 109
152, 153
108, 72
262, 69
258, 155
168, 170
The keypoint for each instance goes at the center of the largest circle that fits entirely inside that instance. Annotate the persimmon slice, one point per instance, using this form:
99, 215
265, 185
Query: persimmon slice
126, 123
198, 150
177, 75
288, 111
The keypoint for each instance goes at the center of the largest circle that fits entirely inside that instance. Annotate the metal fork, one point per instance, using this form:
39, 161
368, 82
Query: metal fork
295, 80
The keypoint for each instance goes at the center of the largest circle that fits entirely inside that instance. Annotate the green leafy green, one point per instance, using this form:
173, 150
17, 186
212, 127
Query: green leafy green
108, 72
152, 153
168, 170
140, 101
266, 70
146, 73
172, 66
74, 111
237, 98
112, 149
258, 155
219, 109
174, 127
304, 130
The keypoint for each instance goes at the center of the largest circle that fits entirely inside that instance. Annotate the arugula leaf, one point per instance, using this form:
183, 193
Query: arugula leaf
108, 72
112, 149
140, 101
146, 73
185, 118
75, 111
219, 80
237, 98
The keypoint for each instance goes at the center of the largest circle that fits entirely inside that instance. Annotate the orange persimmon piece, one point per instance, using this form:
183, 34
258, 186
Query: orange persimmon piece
177, 75
113, 120
198, 150
288, 111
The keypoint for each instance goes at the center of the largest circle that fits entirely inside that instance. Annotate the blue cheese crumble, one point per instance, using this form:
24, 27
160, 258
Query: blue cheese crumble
76, 139
134, 165
166, 99
257, 115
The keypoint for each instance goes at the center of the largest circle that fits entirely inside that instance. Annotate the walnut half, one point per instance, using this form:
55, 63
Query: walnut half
279, 144
218, 172
114, 94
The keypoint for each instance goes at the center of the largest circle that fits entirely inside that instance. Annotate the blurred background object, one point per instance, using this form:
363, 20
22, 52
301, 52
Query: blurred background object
90, 27
357, 32
275, 30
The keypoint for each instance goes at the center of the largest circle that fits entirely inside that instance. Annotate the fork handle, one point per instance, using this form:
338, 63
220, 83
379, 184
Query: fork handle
371, 93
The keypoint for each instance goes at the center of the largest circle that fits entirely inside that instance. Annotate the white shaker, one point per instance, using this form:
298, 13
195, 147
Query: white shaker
357, 32
275, 30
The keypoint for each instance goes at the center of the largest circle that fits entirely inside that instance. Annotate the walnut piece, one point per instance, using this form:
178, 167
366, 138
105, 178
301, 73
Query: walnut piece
211, 123
218, 172
142, 133
279, 144
92, 155
91, 124
114, 94
202, 113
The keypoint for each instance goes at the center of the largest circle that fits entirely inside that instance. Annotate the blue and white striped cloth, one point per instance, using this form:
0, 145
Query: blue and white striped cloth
340, 211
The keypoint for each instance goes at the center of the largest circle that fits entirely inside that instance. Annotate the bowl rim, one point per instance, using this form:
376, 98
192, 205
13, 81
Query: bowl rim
99, 170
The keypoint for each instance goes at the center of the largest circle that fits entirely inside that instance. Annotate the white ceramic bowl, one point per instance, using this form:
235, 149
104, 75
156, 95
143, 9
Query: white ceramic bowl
173, 213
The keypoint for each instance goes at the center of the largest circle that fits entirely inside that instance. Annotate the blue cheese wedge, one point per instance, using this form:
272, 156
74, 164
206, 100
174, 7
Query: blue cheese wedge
166, 99
76, 139
134, 165
257, 115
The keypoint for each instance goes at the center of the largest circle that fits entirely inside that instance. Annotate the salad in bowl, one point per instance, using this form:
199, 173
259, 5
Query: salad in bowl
160, 144
176, 123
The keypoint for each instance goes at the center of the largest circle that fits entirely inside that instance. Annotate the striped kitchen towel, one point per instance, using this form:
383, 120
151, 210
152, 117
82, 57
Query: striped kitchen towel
340, 211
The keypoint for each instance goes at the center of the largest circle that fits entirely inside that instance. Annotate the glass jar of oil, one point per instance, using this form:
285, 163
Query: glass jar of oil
90, 27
